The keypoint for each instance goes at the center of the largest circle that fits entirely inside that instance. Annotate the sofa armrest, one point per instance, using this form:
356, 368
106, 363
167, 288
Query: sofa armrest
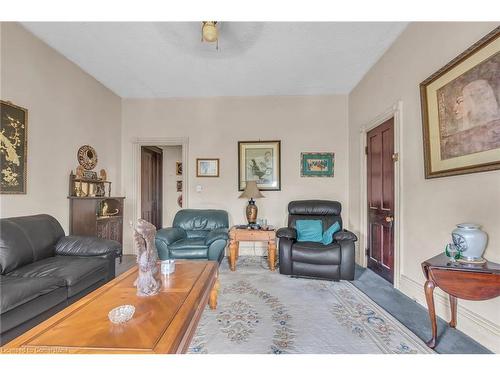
87, 246
289, 233
216, 234
344, 235
170, 235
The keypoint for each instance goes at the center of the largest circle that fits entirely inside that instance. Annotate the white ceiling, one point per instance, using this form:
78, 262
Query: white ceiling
167, 59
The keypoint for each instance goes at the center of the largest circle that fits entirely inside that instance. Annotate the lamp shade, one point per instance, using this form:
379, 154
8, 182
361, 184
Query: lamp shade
251, 191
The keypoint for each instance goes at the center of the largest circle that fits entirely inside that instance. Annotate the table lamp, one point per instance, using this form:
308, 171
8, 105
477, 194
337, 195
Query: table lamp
251, 192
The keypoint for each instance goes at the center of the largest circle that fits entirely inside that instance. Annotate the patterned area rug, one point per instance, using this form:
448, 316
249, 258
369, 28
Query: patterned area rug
260, 312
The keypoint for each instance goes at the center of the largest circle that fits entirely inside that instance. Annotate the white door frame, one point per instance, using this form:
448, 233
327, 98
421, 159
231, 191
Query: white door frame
395, 111
137, 144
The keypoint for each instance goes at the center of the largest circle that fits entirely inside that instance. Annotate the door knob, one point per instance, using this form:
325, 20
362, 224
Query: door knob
389, 219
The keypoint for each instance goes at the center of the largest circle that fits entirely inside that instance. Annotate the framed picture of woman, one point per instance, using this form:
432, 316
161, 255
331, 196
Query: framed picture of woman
461, 112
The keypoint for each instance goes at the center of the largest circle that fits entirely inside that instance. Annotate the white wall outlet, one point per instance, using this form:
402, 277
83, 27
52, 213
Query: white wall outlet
199, 188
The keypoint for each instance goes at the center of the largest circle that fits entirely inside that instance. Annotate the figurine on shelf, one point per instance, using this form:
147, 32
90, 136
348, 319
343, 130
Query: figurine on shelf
105, 210
102, 175
79, 171
147, 282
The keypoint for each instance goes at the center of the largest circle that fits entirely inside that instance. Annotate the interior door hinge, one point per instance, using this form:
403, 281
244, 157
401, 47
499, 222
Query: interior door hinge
395, 156
367, 251
366, 150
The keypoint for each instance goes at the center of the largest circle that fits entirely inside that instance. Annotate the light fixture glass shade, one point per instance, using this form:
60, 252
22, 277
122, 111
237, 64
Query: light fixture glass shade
209, 31
251, 191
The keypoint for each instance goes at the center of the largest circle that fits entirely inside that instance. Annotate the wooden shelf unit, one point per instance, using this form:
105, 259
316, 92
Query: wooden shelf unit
86, 219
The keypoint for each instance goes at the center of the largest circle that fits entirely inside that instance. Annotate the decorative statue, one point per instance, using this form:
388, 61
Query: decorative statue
144, 237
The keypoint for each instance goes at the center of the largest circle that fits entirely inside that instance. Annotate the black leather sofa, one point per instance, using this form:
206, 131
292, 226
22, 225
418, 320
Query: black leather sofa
313, 259
42, 270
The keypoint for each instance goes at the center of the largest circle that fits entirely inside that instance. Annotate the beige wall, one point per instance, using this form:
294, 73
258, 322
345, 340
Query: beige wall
214, 126
67, 108
171, 155
431, 208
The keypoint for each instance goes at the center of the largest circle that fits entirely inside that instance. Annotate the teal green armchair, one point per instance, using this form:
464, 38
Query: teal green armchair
195, 234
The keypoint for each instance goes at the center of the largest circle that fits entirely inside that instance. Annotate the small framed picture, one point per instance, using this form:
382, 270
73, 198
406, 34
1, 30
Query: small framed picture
90, 175
178, 168
207, 167
179, 186
317, 164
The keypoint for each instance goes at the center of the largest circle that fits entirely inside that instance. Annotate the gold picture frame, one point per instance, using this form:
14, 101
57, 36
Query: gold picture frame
206, 167
14, 150
461, 112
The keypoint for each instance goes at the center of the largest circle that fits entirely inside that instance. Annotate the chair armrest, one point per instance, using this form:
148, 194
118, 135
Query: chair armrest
170, 235
344, 235
87, 246
216, 234
289, 233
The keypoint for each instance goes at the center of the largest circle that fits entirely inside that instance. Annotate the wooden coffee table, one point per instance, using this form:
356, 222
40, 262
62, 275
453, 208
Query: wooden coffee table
237, 234
164, 323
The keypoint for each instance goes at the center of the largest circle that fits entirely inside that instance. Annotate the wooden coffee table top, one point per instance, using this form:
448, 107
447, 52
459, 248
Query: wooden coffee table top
163, 323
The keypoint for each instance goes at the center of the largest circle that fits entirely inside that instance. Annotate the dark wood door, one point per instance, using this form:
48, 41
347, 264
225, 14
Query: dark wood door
380, 167
151, 184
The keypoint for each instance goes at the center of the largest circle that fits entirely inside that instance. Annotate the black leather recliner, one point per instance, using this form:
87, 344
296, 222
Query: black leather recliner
313, 259
42, 270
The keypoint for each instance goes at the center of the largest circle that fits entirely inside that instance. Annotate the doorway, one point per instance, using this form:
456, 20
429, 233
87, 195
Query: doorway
380, 199
152, 185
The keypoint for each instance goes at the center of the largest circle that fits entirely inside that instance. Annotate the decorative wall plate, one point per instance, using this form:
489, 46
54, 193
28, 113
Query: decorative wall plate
87, 157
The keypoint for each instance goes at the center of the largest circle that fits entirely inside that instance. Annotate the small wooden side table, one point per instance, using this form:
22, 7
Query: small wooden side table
475, 282
252, 235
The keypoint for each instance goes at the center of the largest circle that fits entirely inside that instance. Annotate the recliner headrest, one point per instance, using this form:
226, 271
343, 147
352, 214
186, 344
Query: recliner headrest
314, 207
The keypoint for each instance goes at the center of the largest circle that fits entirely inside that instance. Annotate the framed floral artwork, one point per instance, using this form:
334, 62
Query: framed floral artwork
259, 161
461, 112
317, 164
13, 148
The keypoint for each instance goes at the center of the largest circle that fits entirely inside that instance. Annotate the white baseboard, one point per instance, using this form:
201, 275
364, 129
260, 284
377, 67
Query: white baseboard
480, 329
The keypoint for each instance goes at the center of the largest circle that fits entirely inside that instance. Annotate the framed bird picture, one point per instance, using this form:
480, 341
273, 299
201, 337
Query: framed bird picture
259, 161
13, 148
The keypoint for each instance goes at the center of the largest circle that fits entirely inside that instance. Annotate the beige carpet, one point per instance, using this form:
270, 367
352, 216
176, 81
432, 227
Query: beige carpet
262, 312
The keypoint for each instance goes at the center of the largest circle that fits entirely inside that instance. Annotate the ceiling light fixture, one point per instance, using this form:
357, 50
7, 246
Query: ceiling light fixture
209, 32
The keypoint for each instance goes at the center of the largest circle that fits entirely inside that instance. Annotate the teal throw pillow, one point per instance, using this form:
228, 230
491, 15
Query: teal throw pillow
309, 230
328, 235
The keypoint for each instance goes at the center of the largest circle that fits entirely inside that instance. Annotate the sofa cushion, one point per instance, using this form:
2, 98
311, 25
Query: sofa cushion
195, 219
18, 290
309, 230
77, 272
27, 239
328, 234
316, 253
189, 243
190, 248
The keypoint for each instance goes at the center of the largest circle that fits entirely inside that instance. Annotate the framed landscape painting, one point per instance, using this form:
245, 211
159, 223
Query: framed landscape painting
316, 164
13, 148
207, 167
259, 161
461, 112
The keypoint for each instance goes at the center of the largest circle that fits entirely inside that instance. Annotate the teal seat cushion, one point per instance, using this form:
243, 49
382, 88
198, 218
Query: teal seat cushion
328, 235
309, 230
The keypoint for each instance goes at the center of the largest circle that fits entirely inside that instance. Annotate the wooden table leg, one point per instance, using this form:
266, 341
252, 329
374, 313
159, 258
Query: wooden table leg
214, 293
453, 305
271, 254
233, 249
429, 296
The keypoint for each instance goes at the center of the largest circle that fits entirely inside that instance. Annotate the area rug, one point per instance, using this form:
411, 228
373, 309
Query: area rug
261, 312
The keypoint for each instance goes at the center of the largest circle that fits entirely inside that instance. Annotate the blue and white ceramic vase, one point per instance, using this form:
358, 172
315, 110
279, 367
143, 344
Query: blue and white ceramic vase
470, 240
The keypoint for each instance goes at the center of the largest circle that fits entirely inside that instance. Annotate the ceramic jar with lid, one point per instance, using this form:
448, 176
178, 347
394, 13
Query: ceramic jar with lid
470, 240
